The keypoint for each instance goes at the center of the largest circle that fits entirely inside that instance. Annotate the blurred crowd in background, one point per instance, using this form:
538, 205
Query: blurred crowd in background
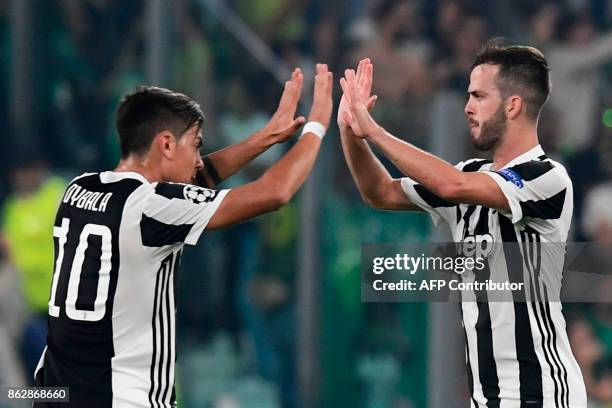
237, 290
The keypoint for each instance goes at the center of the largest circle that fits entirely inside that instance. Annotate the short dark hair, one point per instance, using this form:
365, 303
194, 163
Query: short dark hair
149, 110
523, 71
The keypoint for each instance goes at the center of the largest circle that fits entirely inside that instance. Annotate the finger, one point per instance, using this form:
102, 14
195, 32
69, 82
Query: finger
321, 85
358, 108
360, 69
291, 93
345, 90
287, 95
297, 80
297, 84
365, 85
321, 68
286, 133
368, 78
361, 79
347, 118
293, 127
348, 81
352, 86
329, 85
371, 102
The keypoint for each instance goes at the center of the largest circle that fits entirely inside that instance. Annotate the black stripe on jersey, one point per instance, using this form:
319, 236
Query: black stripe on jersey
530, 371
487, 366
166, 265
536, 257
170, 190
466, 219
542, 157
563, 370
155, 233
467, 360
154, 324
532, 258
161, 325
547, 338
555, 354
177, 263
169, 357
431, 199
535, 294
475, 165
531, 170
547, 209
537, 263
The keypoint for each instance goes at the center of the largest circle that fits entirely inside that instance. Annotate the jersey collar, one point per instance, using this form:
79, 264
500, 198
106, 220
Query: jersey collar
114, 176
531, 154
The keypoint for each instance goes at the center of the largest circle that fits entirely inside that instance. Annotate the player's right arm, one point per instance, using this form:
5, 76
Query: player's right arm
223, 163
376, 186
277, 185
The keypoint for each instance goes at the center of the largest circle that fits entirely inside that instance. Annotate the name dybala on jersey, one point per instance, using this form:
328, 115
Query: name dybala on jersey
118, 241
517, 353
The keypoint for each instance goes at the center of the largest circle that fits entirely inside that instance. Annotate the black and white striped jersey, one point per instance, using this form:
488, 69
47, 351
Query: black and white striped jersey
517, 352
118, 241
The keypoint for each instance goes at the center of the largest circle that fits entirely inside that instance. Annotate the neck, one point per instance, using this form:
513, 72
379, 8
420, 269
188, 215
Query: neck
516, 142
140, 165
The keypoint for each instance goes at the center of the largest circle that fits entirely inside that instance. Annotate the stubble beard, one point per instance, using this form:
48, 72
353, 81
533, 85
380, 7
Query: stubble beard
492, 131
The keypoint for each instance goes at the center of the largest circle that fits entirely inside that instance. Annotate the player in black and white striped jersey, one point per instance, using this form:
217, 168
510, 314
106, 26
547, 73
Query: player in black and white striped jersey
517, 352
119, 237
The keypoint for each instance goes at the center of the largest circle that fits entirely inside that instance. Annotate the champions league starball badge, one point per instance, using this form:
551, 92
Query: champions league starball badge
199, 195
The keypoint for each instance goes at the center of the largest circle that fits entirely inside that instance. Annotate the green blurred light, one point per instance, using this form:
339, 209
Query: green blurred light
607, 118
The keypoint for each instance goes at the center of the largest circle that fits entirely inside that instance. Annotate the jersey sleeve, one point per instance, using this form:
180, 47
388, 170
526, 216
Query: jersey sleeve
178, 213
535, 189
435, 206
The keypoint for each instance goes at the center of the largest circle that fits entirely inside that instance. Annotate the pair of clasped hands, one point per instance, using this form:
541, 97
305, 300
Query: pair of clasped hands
353, 111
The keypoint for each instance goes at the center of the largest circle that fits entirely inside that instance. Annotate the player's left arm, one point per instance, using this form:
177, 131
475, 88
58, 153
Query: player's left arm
223, 163
436, 175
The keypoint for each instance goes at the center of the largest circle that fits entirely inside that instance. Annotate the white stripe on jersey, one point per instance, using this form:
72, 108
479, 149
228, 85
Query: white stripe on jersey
517, 350
143, 316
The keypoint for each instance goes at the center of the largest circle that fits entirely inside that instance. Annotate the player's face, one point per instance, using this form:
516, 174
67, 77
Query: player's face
484, 109
186, 159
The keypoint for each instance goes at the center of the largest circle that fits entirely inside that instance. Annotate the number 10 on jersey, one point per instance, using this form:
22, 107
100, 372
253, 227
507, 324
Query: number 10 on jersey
98, 310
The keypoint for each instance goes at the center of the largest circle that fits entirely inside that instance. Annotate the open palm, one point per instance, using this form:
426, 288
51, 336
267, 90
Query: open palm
363, 82
283, 124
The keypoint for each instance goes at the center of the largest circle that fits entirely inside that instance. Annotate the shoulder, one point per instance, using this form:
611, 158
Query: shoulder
545, 171
472, 165
189, 192
83, 176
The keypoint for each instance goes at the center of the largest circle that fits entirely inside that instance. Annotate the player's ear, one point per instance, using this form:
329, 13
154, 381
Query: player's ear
514, 106
166, 143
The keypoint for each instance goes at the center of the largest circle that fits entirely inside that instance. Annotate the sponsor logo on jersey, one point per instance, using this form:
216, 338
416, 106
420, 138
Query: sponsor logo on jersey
512, 177
479, 246
199, 195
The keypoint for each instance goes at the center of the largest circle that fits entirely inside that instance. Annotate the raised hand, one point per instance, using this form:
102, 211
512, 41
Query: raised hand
364, 78
358, 100
322, 104
283, 125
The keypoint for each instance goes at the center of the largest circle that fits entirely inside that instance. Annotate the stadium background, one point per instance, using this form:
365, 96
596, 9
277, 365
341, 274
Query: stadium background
269, 310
